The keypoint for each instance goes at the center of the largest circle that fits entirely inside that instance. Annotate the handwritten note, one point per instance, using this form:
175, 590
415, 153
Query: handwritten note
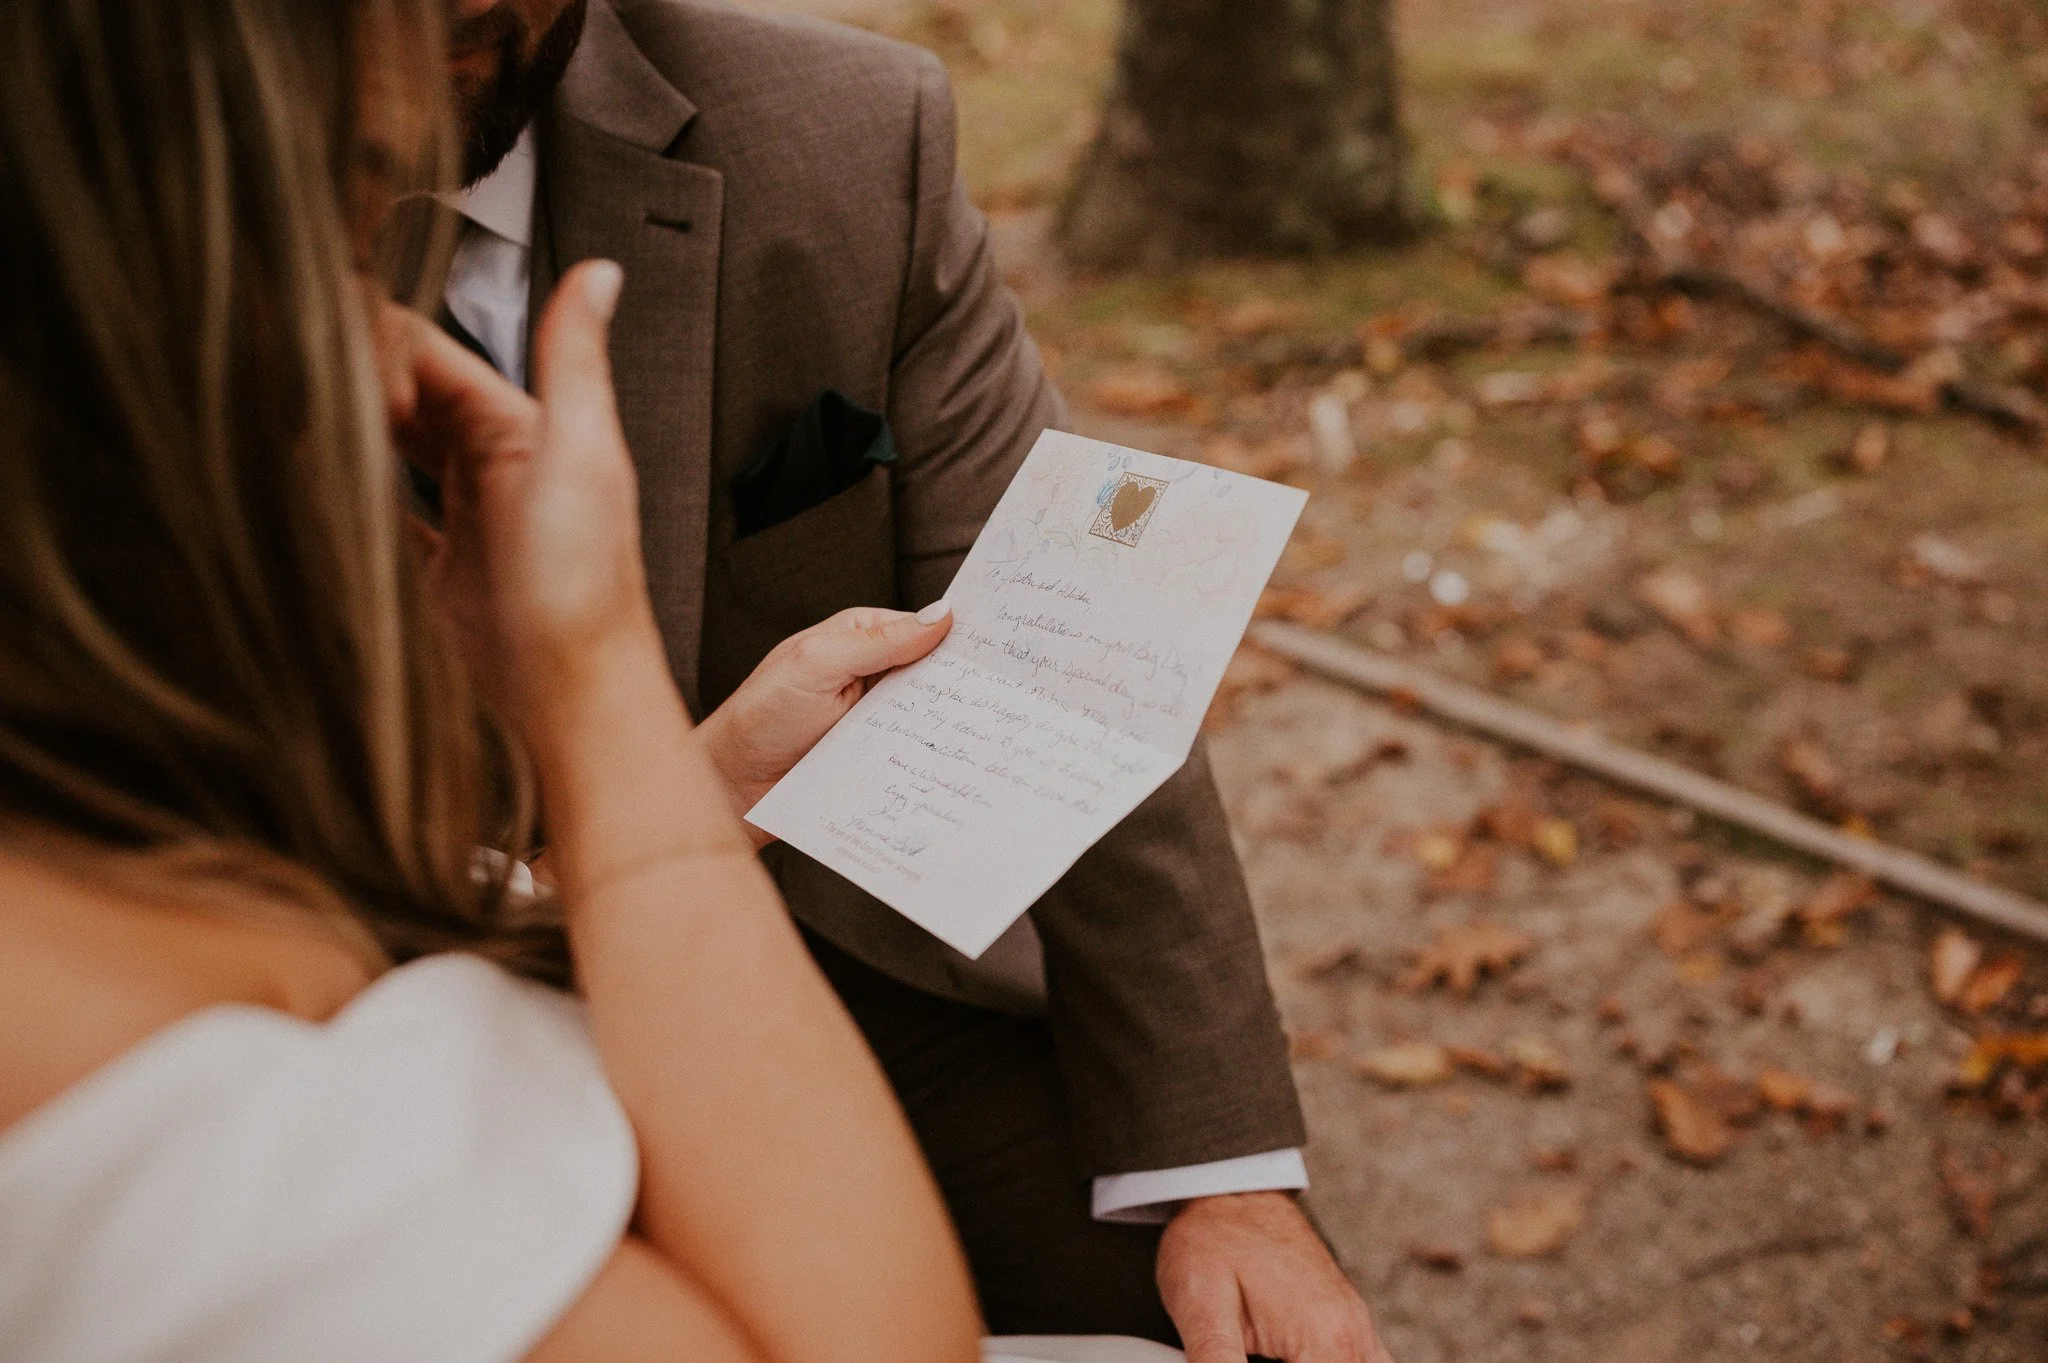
1092, 622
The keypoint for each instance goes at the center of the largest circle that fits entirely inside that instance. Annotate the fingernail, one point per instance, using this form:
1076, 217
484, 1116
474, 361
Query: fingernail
601, 284
935, 612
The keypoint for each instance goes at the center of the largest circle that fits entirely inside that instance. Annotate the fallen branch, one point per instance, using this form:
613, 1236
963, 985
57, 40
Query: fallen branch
1780, 1247
1436, 339
2015, 409
1474, 709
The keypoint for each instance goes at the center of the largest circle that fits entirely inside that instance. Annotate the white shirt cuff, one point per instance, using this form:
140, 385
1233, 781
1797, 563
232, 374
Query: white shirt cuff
1154, 1195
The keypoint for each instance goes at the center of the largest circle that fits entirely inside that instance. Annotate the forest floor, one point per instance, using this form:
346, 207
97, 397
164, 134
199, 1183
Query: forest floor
1588, 1078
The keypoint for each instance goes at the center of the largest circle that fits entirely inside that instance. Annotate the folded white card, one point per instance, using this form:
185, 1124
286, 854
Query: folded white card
1092, 622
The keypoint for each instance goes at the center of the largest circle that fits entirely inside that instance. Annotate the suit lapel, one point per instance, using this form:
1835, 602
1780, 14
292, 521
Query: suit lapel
608, 190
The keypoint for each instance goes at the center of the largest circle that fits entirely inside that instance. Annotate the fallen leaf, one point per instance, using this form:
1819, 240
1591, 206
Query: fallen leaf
1511, 821
1438, 1258
1478, 1060
1783, 1090
1460, 955
1760, 629
1438, 849
1254, 317
1311, 1045
1405, 1064
1701, 968
1601, 434
1827, 1108
1475, 872
1382, 750
1971, 1194
1656, 454
1329, 959
1533, 1313
1252, 671
1517, 660
1535, 1224
1556, 841
1140, 391
1941, 238
1811, 771
1271, 459
1824, 917
1953, 959
1681, 929
1768, 900
1693, 1131
1828, 663
1554, 1159
1684, 602
2026, 1051
1538, 1066
1734, 1100
1620, 824
1315, 607
1989, 984
1869, 450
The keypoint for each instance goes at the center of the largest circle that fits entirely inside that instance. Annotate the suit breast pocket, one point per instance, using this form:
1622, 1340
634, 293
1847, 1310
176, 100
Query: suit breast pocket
839, 553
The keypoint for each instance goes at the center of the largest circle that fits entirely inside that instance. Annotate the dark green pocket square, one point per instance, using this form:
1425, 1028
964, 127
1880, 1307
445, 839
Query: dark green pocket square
832, 446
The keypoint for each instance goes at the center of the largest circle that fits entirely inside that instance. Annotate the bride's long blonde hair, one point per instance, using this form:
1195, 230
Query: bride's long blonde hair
217, 674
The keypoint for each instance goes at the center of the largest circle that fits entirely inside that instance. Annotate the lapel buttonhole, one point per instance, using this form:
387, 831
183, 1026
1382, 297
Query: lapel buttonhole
672, 224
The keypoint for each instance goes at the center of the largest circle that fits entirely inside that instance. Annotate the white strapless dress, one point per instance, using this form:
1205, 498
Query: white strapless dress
435, 1174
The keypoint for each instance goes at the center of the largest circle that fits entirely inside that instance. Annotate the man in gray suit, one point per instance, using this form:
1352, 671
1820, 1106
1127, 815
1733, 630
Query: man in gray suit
826, 389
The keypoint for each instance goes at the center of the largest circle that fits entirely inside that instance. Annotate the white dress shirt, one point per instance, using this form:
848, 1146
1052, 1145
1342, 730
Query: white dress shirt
487, 293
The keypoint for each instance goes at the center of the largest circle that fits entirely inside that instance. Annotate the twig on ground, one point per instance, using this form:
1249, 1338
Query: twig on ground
1437, 338
2014, 409
1908, 871
1776, 1248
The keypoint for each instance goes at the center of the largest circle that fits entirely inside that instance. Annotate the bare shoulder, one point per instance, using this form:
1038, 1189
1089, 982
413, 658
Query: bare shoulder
86, 975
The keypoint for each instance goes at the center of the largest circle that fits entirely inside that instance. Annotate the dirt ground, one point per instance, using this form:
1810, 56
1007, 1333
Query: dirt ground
1671, 519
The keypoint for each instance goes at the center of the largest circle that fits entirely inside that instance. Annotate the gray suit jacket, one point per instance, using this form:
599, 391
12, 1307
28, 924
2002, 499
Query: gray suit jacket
783, 196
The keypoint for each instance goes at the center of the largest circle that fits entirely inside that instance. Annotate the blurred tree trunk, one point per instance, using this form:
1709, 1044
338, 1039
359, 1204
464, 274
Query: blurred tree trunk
1243, 127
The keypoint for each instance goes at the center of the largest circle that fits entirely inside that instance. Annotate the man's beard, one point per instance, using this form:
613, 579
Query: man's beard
494, 115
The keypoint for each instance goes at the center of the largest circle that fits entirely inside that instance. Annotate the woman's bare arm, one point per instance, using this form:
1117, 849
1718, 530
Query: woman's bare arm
639, 1309
778, 1172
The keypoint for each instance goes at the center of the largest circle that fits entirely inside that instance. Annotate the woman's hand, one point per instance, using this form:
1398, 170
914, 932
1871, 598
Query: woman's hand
538, 556
804, 688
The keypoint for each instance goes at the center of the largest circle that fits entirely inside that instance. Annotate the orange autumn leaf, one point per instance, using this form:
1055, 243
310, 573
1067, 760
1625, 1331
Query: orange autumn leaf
1535, 1224
1783, 1090
1405, 1064
1693, 1131
1989, 984
1953, 959
1460, 955
1140, 391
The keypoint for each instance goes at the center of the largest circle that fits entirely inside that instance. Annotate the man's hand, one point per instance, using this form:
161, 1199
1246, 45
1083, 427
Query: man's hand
805, 687
1246, 1274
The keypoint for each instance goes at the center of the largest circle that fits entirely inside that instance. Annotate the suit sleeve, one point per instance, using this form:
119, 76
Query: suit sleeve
1168, 1039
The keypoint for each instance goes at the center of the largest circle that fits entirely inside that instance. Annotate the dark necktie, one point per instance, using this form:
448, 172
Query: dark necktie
426, 492
462, 334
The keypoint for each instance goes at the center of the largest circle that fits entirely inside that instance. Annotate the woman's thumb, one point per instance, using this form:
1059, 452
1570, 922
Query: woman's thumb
572, 369
866, 642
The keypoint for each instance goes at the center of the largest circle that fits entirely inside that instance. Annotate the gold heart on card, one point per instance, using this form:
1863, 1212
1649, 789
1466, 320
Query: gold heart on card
1130, 504
1128, 509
